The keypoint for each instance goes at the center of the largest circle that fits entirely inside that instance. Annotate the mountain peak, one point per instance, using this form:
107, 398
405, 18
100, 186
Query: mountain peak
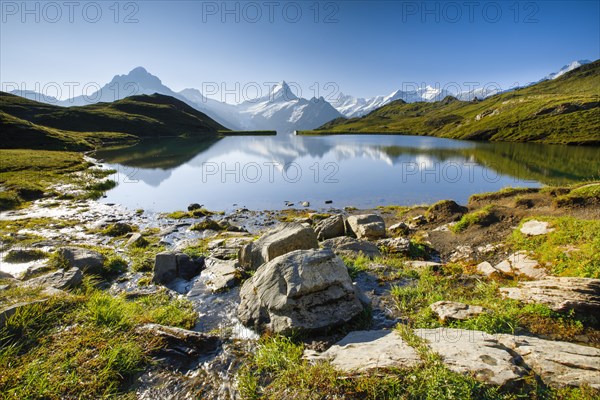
282, 92
567, 68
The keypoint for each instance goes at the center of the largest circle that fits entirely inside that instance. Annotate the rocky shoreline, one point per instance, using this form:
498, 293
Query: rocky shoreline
498, 290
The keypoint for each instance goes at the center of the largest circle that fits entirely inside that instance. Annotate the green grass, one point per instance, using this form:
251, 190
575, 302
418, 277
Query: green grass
25, 256
473, 218
95, 356
572, 249
531, 114
588, 193
202, 212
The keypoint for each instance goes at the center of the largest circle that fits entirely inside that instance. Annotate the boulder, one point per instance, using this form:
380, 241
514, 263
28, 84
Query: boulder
521, 263
367, 226
169, 266
475, 353
330, 227
88, 261
278, 241
364, 351
560, 294
535, 228
59, 279
394, 245
486, 269
6, 275
221, 274
180, 348
194, 206
227, 249
351, 247
452, 310
559, 364
399, 229
305, 290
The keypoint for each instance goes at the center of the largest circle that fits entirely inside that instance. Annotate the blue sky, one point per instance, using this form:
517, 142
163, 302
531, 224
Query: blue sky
365, 48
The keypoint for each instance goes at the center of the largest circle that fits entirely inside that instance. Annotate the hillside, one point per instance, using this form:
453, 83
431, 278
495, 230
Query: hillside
30, 124
565, 110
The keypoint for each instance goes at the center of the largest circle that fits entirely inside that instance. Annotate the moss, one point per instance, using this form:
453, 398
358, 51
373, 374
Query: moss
208, 224
198, 213
478, 217
23, 256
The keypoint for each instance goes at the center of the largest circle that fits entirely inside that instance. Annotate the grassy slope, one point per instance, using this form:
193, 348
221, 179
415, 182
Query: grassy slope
562, 111
29, 124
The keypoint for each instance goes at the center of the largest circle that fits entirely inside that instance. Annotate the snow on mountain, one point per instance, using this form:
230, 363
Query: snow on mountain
567, 68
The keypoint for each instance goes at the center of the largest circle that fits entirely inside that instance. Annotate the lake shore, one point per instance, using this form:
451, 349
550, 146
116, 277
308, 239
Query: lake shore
426, 254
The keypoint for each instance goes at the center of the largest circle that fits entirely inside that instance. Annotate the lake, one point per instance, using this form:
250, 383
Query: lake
265, 172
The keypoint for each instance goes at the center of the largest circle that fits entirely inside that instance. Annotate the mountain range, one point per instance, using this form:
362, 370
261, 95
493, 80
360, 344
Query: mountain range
279, 110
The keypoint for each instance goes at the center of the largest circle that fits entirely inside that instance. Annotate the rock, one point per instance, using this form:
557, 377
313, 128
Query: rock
363, 351
452, 310
88, 261
180, 348
137, 240
305, 290
278, 241
399, 229
475, 353
9, 311
394, 245
445, 210
423, 265
59, 279
367, 226
351, 247
6, 275
486, 269
194, 206
330, 227
417, 221
560, 294
520, 263
169, 266
535, 228
227, 249
559, 364
462, 253
305, 204
165, 267
187, 268
221, 274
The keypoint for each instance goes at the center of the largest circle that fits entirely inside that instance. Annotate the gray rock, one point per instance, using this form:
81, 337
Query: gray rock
305, 290
351, 247
559, 364
363, 351
535, 228
560, 294
221, 274
59, 279
399, 229
88, 261
394, 245
520, 263
187, 268
367, 226
6, 275
474, 353
180, 348
423, 265
9, 311
330, 227
194, 206
227, 249
137, 240
417, 221
165, 267
452, 310
278, 241
486, 269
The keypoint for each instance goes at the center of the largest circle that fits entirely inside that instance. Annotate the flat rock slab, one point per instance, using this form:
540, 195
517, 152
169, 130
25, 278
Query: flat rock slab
88, 261
221, 274
559, 364
59, 279
560, 294
519, 263
452, 310
535, 228
348, 246
363, 351
474, 352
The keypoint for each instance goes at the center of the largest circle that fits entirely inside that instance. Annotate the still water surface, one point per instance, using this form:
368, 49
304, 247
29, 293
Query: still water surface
350, 170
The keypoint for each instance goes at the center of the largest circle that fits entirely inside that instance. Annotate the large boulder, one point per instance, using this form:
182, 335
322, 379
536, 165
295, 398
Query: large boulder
169, 266
278, 241
559, 293
348, 246
221, 274
367, 226
330, 227
475, 353
305, 290
364, 351
88, 261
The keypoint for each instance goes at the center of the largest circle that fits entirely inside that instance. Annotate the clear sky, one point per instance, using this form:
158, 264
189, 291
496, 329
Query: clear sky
366, 48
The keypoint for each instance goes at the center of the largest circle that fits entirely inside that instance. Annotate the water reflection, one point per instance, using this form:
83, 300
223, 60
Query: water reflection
263, 172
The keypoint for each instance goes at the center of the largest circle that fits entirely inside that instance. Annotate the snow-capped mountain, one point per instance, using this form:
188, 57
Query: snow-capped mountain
567, 68
282, 110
